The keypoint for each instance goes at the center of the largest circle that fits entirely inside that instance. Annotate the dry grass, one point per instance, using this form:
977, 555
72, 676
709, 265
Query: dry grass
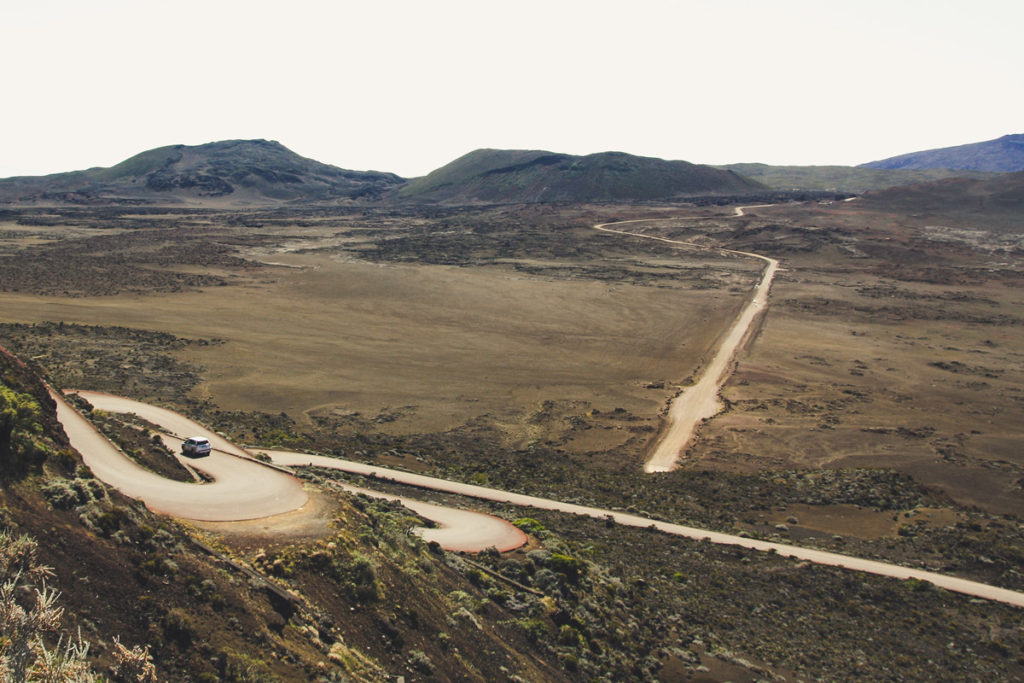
855, 369
439, 345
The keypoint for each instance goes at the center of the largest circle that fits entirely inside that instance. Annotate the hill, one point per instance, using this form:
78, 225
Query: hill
529, 176
1003, 155
345, 603
231, 171
996, 203
854, 179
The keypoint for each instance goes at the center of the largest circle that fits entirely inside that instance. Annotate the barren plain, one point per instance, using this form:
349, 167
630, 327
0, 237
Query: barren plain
876, 410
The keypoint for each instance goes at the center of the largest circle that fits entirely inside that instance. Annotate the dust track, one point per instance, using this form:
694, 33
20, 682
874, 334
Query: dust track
950, 583
243, 488
700, 401
460, 529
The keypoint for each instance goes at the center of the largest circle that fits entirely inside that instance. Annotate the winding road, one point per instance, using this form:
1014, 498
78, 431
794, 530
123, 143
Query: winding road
245, 488
700, 401
262, 491
242, 487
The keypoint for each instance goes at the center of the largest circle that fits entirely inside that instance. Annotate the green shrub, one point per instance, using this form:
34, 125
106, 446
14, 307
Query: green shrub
570, 637
536, 630
571, 568
177, 627
69, 493
532, 527
21, 447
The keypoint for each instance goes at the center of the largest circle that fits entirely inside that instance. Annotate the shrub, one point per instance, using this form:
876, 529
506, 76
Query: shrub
419, 661
20, 431
536, 630
68, 493
23, 627
60, 494
178, 627
570, 637
532, 527
570, 567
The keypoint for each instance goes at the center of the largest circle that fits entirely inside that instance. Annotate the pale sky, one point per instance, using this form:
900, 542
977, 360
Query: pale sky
407, 86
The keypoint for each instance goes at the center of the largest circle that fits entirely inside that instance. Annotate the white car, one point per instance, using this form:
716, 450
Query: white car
196, 447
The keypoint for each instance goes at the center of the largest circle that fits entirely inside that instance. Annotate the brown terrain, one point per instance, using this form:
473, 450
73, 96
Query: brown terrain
877, 412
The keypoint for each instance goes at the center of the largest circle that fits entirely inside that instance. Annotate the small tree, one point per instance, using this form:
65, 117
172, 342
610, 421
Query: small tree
134, 665
29, 613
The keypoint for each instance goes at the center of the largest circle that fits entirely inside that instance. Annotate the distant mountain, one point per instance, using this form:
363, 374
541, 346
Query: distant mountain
232, 171
842, 178
1003, 155
995, 204
522, 176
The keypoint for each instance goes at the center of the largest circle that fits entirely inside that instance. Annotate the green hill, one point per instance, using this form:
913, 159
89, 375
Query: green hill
526, 176
239, 171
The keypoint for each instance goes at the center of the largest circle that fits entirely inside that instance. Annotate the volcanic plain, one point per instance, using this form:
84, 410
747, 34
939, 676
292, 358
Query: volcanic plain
876, 410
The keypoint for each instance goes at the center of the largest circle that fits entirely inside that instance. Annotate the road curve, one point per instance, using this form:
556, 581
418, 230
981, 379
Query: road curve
950, 583
700, 401
242, 487
458, 529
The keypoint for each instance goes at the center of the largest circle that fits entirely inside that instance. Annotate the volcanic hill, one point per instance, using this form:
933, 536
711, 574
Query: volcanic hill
233, 171
528, 176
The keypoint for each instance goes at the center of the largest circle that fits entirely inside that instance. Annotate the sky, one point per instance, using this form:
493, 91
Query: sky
407, 86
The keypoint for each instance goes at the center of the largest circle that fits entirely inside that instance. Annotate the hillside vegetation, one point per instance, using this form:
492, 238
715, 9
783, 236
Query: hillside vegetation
527, 176
363, 600
245, 171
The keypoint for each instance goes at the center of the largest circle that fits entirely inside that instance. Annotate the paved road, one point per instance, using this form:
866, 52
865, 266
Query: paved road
700, 401
243, 488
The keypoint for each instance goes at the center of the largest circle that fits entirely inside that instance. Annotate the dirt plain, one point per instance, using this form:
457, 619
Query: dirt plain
889, 342
416, 346
887, 348
877, 411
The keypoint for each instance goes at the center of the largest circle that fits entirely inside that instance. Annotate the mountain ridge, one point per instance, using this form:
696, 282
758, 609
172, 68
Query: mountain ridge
264, 172
246, 171
855, 179
1003, 155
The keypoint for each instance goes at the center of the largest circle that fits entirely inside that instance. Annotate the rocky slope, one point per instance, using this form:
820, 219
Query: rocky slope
1004, 155
855, 179
996, 203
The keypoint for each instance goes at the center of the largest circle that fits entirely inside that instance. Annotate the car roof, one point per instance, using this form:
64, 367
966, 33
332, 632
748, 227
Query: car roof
200, 439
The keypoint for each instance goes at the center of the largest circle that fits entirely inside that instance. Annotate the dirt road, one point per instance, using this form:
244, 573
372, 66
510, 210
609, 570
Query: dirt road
700, 401
951, 583
242, 487
249, 490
